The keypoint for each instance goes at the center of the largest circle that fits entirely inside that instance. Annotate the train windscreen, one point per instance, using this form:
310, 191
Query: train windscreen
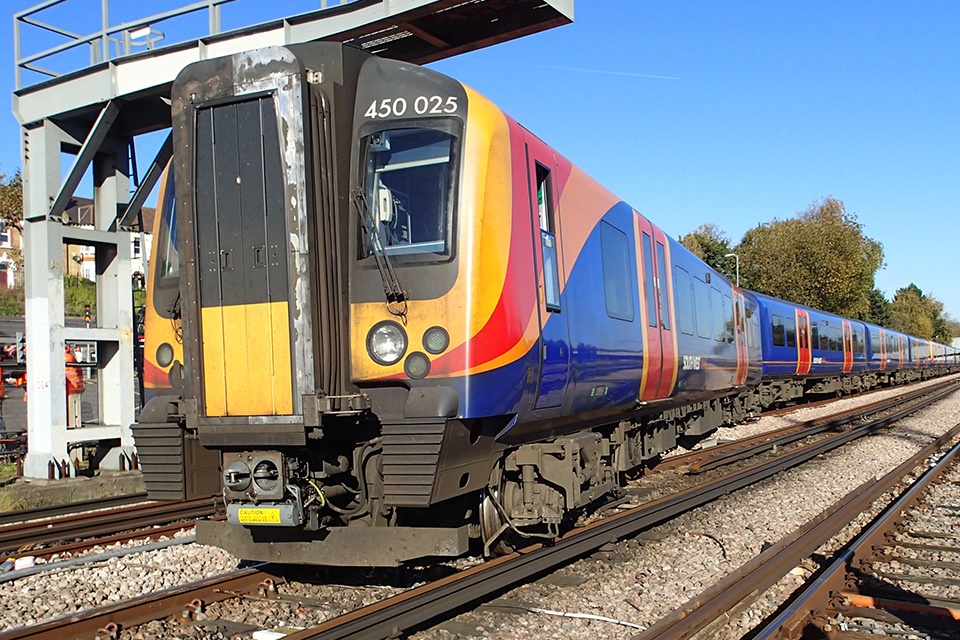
408, 179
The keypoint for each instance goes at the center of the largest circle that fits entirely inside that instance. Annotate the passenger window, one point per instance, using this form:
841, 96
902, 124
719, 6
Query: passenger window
791, 330
648, 281
716, 300
662, 285
815, 336
617, 285
702, 297
778, 333
683, 290
728, 322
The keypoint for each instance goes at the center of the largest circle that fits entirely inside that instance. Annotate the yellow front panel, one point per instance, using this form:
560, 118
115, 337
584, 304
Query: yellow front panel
246, 360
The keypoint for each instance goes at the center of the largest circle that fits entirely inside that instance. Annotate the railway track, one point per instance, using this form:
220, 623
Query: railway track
45, 537
40, 513
434, 601
728, 452
709, 611
893, 579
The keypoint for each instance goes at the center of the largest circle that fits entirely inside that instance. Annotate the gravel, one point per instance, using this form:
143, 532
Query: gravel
646, 577
636, 581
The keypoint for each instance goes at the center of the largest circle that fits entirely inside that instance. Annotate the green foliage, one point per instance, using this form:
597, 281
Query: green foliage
920, 315
879, 312
11, 200
818, 258
77, 292
709, 243
11, 209
11, 301
953, 328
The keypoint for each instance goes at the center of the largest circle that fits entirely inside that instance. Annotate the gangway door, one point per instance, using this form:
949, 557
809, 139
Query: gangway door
241, 252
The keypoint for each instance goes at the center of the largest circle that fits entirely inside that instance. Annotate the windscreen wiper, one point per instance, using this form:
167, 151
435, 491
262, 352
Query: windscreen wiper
396, 296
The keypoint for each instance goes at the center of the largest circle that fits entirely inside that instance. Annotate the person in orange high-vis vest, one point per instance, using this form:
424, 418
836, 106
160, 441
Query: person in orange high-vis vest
74, 381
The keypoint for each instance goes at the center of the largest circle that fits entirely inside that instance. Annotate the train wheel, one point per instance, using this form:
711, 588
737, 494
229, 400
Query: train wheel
499, 539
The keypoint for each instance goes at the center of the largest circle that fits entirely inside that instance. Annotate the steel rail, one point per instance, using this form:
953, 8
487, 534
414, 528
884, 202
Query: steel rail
811, 605
16, 536
727, 452
416, 607
23, 515
153, 532
153, 606
762, 572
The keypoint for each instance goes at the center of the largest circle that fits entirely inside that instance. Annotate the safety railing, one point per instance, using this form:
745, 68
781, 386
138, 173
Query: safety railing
45, 22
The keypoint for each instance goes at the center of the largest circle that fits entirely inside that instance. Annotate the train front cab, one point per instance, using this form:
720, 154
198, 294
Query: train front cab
367, 330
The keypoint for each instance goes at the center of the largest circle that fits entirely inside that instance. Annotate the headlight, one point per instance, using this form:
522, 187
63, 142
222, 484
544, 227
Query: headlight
386, 342
435, 340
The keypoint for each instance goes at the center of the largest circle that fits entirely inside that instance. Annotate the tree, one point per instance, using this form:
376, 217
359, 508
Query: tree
11, 208
878, 312
953, 328
709, 243
818, 258
910, 312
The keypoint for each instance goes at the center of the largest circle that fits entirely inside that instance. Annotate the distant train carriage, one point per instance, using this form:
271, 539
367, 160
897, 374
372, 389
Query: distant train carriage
808, 350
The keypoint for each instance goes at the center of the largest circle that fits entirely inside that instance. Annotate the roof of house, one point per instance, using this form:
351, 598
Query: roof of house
81, 213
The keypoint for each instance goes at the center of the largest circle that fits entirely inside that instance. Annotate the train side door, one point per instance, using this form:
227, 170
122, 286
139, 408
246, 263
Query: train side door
660, 351
883, 350
740, 337
804, 355
847, 347
554, 339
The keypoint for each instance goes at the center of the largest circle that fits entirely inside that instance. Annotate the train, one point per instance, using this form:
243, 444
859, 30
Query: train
390, 323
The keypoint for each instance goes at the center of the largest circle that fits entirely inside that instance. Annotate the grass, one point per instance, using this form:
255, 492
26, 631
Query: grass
77, 292
9, 501
7, 469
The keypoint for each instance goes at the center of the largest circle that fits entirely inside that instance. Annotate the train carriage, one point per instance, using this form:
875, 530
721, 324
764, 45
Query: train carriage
407, 323
809, 350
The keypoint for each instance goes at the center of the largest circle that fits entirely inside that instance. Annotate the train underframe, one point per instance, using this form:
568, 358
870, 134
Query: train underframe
388, 494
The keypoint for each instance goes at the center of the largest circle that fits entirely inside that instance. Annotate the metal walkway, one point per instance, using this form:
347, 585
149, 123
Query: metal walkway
96, 110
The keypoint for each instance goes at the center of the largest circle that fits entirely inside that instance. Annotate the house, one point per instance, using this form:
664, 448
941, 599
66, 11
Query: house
81, 261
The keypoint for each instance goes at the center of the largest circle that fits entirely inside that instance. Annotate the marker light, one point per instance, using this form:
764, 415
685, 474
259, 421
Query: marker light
436, 340
417, 365
164, 354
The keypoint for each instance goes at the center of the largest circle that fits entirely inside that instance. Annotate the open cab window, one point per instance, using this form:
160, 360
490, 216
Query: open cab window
409, 182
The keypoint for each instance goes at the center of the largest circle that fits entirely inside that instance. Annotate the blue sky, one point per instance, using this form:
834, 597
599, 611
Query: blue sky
733, 113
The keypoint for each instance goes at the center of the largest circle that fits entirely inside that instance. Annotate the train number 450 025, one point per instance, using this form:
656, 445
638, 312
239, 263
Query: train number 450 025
422, 105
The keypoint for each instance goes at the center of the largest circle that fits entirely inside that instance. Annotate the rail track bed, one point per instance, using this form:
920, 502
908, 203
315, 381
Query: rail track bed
53, 536
625, 581
900, 577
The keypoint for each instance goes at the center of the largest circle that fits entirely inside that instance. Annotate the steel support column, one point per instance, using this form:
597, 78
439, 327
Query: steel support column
44, 239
